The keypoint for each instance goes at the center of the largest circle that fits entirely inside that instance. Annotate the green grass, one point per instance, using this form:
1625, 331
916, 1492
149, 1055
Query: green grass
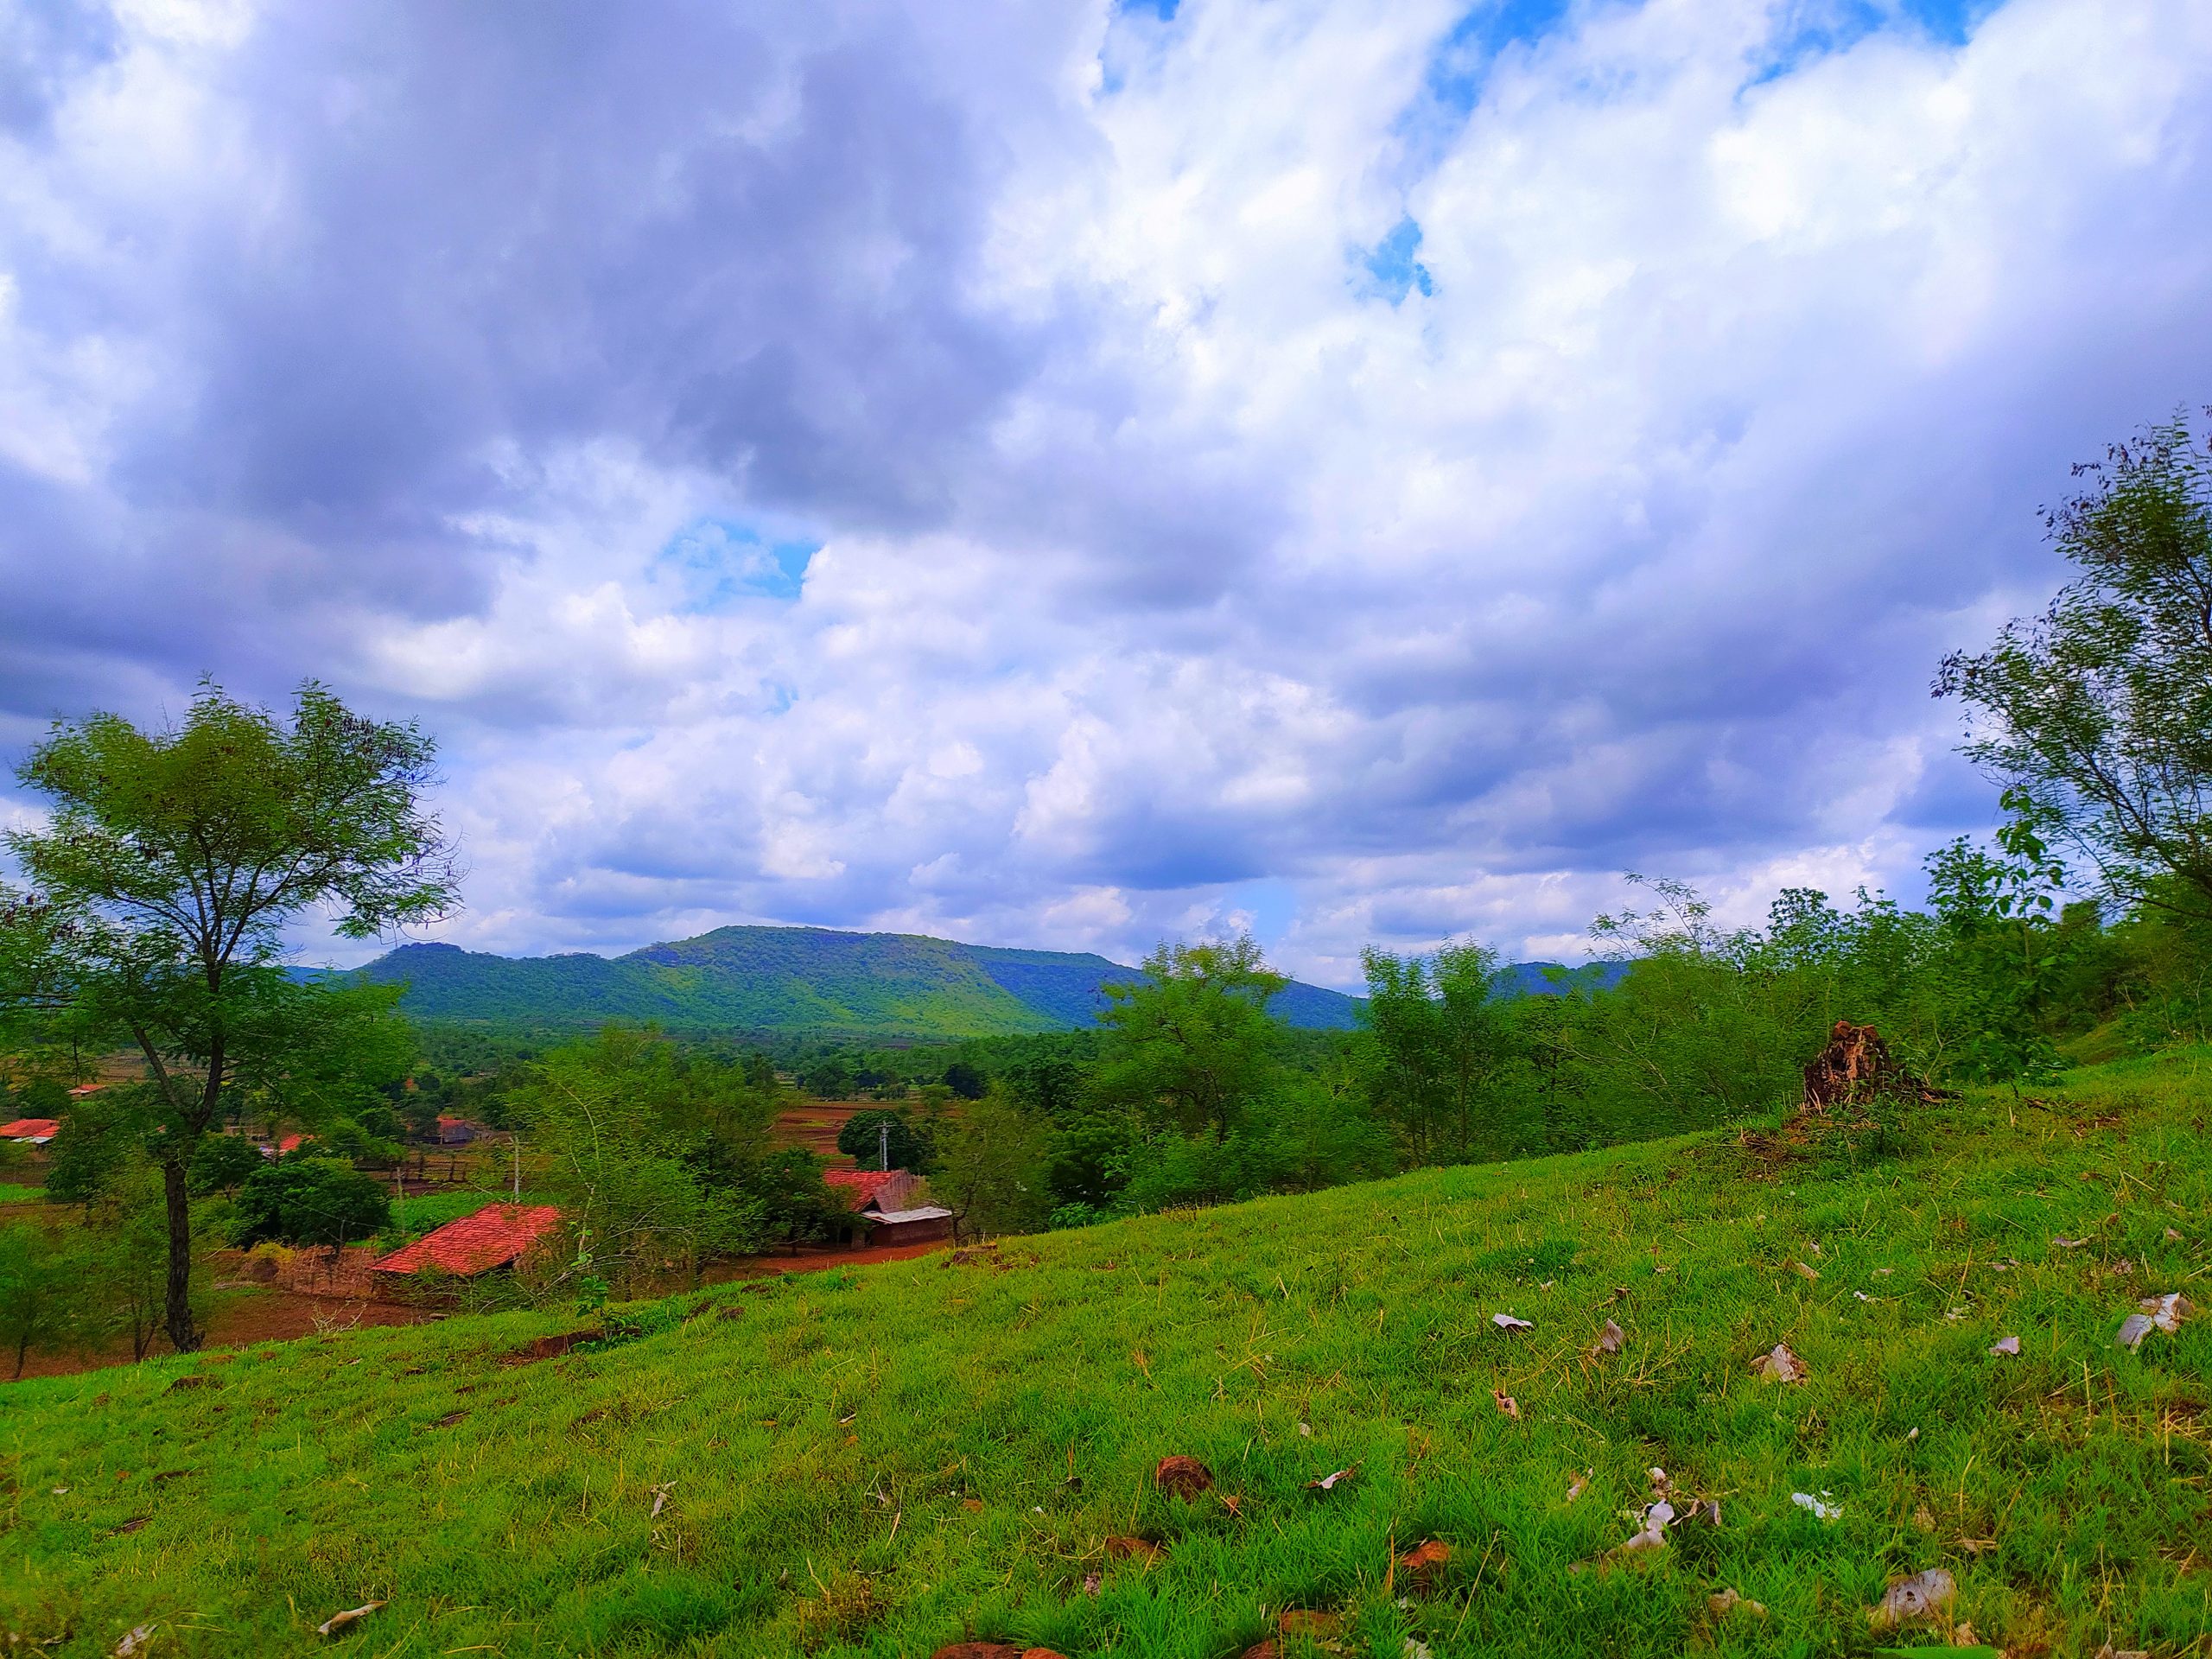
22, 1194
879, 1461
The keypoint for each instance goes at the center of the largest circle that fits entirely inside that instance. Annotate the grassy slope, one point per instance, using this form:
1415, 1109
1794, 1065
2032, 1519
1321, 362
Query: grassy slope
875, 1462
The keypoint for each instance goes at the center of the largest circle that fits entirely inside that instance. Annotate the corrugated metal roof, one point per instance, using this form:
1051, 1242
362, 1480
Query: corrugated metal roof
30, 1128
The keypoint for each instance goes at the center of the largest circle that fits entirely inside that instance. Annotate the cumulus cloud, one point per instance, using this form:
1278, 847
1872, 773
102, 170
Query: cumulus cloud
1066, 475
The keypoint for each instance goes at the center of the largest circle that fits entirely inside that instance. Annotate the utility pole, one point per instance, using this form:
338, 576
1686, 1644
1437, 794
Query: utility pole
515, 1142
883, 1141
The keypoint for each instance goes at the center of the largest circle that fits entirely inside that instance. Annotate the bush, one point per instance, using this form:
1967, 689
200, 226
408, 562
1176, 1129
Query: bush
311, 1201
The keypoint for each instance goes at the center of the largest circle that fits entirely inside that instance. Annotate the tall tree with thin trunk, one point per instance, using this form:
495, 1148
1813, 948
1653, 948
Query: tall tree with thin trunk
159, 889
2097, 715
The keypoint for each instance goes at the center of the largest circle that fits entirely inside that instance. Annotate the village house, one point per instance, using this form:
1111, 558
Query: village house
30, 1131
495, 1237
456, 1131
884, 1200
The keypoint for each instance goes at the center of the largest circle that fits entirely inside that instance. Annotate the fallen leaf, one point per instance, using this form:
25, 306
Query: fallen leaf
660, 1498
1576, 1487
1417, 1648
2108, 1651
2006, 1345
1305, 1429
1804, 1271
1923, 1596
1507, 1323
1779, 1363
345, 1620
1424, 1564
1091, 1582
1181, 1477
1609, 1338
2069, 1244
1234, 1504
1821, 1510
1620, 1295
1307, 1622
2134, 1329
134, 1523
1328, 1483
2172, 1237
1506, 1403
134, 1641
1124, 1548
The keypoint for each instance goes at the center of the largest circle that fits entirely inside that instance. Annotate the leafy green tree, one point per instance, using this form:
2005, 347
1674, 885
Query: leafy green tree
311, 1201
830, 1077
1996, 908
100, 1137
160, 888
1192, 1045
127, 1256
42, 1294
224, 1162
965, 1081
648, 1154
863, 1139
1441, 1040
2098, 714
992, 1167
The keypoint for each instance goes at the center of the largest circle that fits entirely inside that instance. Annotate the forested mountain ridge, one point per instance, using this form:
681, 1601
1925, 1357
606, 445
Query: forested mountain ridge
813, 979
790, 979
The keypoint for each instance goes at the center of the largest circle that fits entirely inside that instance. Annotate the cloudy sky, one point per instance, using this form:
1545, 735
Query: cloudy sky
1074, 473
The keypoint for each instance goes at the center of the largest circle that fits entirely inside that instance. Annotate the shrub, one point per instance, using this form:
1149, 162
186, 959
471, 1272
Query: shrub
311, 1201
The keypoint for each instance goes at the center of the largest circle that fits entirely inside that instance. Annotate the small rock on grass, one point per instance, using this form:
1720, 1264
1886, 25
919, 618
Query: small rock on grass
1780, 1364
1922, 1598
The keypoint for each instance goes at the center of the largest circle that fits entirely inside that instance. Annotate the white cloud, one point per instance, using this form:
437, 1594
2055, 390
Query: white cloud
1157, 548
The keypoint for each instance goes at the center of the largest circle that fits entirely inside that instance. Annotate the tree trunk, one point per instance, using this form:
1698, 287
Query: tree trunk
178, 1291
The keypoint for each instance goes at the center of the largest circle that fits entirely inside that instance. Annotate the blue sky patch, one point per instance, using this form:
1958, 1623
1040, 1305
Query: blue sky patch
1461, 62
1271, 902
1392, 272
718, 562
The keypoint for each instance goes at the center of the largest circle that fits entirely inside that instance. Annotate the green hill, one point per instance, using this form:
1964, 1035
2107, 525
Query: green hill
789, 978
879, 1461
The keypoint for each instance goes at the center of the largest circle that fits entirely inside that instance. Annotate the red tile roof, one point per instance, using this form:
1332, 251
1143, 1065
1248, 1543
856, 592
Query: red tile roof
491, 1237
30, 1128
861, 1187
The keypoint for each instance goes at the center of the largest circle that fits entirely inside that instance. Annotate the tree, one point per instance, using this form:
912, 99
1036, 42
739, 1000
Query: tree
650, 1156
1440, 1038
1996, 909
965, 1081
830, 1077
862, 1139
41, 1293
160, 887
1191, 1045
311, 1201
100, 1136
2098, 714
992, 1167
223, 1162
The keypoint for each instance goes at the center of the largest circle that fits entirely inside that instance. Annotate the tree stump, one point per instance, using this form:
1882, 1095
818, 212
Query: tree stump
1857, 1066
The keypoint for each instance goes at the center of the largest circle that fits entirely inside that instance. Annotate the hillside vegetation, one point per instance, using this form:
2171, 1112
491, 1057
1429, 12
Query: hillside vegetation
878, 1462
811, 979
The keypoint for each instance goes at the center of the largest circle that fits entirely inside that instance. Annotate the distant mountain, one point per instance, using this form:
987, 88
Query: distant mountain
818, 979
789, 979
